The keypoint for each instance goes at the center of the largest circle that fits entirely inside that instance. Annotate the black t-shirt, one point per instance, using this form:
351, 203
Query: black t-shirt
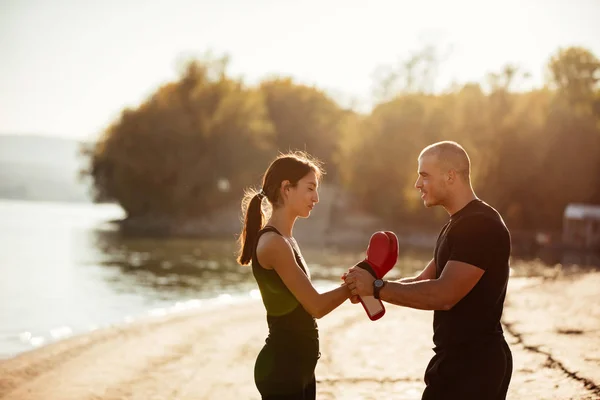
478, 236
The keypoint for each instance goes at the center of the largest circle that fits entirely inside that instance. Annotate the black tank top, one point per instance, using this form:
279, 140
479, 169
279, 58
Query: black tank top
284, 313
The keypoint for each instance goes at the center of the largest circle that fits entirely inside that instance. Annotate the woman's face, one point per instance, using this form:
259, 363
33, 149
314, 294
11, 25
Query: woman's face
302, 198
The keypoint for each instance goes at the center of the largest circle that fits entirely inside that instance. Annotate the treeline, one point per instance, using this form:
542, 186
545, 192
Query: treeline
197, 142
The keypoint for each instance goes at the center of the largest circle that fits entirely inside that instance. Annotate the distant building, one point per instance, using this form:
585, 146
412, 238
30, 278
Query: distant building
581, 226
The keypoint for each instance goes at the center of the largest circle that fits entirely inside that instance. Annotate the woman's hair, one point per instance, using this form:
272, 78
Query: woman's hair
286, 167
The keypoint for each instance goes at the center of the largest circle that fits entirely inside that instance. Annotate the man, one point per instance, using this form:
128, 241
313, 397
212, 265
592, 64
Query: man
465, 283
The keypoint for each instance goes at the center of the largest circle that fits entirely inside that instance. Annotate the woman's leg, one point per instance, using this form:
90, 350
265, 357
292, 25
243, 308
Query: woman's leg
507, 373
283, 374
310, 390
275, 376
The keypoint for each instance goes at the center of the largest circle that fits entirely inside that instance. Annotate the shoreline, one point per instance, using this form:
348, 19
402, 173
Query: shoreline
40, 338
47, 337
551, 325
32, 339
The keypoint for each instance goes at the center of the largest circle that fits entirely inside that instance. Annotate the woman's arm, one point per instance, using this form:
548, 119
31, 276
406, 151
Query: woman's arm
274, 252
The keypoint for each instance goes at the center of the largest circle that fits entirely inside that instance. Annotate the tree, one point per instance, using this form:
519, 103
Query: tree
196, 142
575, 72
304, 118
192, 146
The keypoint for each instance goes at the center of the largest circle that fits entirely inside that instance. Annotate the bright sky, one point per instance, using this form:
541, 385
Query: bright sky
67, 67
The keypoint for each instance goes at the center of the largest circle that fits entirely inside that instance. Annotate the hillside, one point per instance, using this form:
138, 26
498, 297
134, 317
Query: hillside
41, 168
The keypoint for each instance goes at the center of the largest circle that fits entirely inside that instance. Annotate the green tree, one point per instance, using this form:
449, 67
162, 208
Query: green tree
572, 154
575, 72
304, 118
532, 152
196, 142
187, 149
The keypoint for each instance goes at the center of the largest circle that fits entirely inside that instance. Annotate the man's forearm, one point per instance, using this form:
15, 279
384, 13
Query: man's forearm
427, 273
422, 295
408, 279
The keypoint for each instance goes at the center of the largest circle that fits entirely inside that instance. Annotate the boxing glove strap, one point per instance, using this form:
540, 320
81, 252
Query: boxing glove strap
365, 265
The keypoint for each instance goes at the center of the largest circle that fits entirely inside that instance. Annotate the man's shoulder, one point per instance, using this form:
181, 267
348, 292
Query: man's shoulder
482, 212
482, 218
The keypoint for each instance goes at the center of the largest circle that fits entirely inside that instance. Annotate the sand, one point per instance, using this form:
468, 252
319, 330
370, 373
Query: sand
552, 326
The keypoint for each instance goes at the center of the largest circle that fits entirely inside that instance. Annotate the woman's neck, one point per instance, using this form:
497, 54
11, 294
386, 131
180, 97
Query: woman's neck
282, 221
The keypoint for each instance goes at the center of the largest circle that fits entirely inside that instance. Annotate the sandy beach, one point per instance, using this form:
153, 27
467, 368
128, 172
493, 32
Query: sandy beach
552, 326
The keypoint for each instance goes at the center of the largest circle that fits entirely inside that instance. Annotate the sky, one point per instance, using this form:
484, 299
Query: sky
68, 67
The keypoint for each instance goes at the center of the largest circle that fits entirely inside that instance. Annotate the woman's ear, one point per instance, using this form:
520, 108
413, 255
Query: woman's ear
285, 186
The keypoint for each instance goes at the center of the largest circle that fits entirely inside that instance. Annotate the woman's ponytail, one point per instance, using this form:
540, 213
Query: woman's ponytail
253, 222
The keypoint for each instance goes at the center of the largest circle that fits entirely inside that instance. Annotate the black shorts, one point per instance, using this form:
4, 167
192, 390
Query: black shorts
478, 371
285, 368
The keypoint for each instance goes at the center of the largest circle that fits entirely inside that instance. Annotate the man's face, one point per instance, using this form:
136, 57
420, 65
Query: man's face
432, 181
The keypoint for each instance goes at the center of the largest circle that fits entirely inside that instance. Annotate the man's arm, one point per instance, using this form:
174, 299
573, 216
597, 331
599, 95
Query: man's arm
427, 273
476, 241
456, 281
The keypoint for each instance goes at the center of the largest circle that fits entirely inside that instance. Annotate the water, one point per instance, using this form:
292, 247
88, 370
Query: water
64, 270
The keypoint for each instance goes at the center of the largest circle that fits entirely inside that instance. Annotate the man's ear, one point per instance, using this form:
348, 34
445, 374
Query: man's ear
451, 176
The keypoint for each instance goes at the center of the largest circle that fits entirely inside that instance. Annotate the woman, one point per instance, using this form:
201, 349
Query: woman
285, 367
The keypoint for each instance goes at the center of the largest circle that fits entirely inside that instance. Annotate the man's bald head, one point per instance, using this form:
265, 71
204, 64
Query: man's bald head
450, 155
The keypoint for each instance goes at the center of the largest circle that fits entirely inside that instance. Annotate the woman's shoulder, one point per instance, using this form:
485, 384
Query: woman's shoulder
269, 238
271, 247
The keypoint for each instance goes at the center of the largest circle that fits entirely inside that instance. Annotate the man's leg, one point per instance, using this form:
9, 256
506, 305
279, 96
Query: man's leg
477, 372
436, 386
481, 372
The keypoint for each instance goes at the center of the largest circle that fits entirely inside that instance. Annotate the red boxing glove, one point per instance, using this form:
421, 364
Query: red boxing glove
382, 254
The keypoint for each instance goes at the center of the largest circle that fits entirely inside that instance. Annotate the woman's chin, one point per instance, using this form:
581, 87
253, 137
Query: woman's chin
305, 215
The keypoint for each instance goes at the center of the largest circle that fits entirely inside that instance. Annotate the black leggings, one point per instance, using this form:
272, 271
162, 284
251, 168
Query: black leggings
285, 368
478, 371
309, 393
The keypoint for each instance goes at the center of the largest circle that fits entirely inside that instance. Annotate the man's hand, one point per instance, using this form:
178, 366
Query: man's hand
359, 281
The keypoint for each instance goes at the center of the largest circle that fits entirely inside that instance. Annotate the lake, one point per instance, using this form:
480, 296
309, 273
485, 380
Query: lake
65, 269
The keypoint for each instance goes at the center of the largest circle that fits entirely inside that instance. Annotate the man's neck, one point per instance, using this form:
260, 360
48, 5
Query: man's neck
459, 201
